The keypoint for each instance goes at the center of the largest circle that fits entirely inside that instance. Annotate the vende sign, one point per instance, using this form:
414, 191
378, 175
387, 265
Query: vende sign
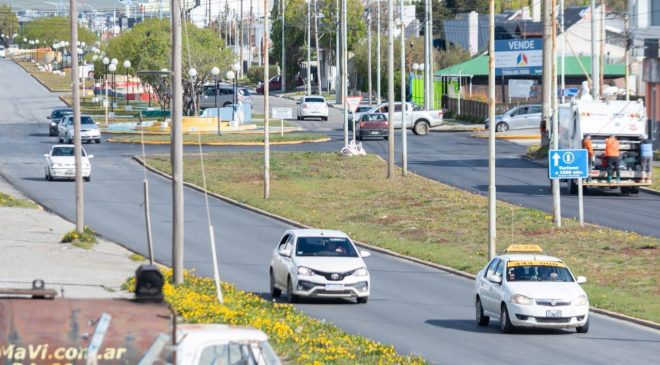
515, 57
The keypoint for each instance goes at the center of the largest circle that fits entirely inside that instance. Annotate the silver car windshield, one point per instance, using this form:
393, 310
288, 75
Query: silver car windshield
64, 151
517, 271
325, 246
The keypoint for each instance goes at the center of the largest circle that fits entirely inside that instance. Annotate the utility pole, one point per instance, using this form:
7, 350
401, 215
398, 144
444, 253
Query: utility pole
390, 89
427, 55
492, 199
548, 96
266, 107
602, 46
177, 146
339, 87
318, 52
283, 65
556, 192
370, 50
378, 78
240, 44
77, 148
344, 68
404, 127
249, 38
309, 49
626, 60
595, 67
563, 52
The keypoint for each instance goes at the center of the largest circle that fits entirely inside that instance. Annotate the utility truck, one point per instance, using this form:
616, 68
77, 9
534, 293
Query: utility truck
601, 118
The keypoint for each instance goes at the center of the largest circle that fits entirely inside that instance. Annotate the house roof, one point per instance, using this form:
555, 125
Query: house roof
478, 66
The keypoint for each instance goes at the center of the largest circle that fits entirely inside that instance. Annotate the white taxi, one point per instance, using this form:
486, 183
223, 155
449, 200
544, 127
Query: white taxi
524, 288
319, 263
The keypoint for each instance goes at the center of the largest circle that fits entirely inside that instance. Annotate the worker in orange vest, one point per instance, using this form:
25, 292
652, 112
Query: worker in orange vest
588, 145
612, 157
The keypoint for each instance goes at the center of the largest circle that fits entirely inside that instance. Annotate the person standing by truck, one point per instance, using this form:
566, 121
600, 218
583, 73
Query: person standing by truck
646, 151
588, 145
612, 157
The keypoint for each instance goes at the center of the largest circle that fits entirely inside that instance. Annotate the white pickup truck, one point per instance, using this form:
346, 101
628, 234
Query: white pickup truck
420, 121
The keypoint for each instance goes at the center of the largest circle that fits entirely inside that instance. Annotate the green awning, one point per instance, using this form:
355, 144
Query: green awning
478, 66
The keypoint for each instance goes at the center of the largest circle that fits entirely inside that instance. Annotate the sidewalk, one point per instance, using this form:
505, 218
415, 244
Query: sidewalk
31, 250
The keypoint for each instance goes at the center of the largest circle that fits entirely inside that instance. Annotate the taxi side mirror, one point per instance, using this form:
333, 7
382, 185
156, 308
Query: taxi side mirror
494, 278
581, 280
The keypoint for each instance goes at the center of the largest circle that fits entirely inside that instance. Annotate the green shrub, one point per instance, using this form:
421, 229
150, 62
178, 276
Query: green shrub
256, 73
84, 239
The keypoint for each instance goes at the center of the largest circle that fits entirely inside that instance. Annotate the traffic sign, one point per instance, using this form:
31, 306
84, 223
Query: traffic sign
568, 164
571, 91
282, 113
352, 102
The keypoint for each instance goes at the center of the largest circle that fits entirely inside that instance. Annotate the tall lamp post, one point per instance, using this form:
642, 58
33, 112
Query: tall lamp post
112, 69
36, 49
236, 67
127, 66
192, 72
106, 62
215, 72
231, 75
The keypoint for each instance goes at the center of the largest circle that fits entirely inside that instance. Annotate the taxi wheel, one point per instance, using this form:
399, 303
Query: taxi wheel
274, 292
292, 298
505, 322
583, 329
481, 319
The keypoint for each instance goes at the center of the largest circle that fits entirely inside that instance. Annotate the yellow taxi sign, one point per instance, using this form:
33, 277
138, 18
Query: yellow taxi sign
535, 263
524, 248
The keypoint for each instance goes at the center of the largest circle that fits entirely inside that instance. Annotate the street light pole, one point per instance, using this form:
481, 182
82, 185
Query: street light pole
309, 49
378, 54
390, 89
177, 147
404, 105
492, 192
127, 65
215, 72
369, 50
283, 66
80, 213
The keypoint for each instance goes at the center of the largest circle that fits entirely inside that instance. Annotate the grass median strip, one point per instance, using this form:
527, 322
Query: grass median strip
226, 138
297, 338
8, 200
432, 221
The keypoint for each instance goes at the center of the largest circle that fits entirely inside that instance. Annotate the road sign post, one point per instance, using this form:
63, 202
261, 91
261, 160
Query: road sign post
281, 114
570, 164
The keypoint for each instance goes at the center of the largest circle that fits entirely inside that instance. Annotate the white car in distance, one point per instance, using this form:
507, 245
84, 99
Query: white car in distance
524, 288
60, 163
89, 129
312, 107
319, 263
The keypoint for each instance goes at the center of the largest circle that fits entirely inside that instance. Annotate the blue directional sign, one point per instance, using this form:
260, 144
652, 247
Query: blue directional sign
571, 91
568, 164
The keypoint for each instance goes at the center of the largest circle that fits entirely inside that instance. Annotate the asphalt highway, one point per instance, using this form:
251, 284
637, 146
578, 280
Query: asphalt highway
416, 308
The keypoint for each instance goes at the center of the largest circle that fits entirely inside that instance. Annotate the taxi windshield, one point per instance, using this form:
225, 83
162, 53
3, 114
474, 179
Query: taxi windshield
555, 271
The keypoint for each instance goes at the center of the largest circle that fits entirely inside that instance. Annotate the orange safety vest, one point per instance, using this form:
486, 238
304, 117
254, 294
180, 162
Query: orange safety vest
588, 145
611, 147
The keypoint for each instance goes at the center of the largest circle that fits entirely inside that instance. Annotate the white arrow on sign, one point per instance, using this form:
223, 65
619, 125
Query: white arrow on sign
555, 158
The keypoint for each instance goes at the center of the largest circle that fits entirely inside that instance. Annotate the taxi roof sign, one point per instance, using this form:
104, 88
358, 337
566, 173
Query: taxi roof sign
524, 248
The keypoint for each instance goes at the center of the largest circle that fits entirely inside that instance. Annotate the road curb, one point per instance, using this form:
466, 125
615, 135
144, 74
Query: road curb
463, 274
320, 140
506, 137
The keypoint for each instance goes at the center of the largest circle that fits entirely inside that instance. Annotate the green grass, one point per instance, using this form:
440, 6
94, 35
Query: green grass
537, 152
8, 200
52, 81
225, 138
85, 239
136, 257
655, 178
432, 221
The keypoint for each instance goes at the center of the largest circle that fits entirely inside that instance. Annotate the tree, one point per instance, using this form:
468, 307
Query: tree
54, 29
295, 17
148, 47
8, 24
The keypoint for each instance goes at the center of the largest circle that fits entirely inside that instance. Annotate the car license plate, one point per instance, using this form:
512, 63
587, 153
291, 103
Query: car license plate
553, 314
375, 132
70, 172
334, 287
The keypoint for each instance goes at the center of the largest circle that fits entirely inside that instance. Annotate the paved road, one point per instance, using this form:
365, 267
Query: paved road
416, 308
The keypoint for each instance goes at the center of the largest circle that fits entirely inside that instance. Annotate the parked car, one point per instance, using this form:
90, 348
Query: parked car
55, 118
420, 121
372, 125
524, 288
275, 84
60, 163
520, 117
312, 107
318, 263
225, 96
89, 129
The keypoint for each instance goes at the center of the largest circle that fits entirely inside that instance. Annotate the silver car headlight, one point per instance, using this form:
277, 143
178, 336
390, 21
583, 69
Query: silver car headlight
305, 271
361, 272
521, 299
580, 300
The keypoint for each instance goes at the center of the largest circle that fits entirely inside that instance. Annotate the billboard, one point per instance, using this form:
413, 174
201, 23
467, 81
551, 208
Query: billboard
518, 57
